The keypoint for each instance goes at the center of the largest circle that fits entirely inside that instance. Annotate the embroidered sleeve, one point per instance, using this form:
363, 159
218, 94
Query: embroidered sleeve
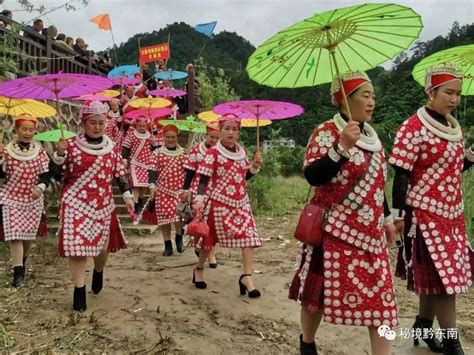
209, 164
406, 149
44, 165
119, 170
191, 162
127, 142
321, 141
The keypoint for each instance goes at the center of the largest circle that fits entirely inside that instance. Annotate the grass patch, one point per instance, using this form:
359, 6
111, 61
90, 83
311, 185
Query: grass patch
468, 196
278, 196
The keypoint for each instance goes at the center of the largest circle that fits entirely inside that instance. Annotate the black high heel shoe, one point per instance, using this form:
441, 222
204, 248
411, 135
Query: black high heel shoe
97, 281
213, 265
307, 348
433, 344
451, 344
243, 289
199, 284
18, 276
79, 299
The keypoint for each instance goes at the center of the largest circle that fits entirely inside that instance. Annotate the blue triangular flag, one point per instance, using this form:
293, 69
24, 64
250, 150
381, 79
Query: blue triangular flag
207, 29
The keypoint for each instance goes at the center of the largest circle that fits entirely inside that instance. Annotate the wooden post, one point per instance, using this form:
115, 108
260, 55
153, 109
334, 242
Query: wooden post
49, 54
89, 65
190, 90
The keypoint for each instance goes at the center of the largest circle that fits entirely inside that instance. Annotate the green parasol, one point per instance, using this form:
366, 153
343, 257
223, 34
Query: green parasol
313, 51
54, 135
461, 57
189, 124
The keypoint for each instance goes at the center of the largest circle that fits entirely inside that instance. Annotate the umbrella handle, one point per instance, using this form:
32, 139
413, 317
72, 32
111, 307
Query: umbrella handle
332, 51
58, 109
258, 134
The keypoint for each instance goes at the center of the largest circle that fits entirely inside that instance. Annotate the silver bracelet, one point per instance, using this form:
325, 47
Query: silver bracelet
59, 160
42, 187
341, 151
127, 195
253, 170
334, 155
469, 154
388, 220
398, 214
200, 198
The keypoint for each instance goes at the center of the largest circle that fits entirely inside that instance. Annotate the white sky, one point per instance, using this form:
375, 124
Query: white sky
255, 20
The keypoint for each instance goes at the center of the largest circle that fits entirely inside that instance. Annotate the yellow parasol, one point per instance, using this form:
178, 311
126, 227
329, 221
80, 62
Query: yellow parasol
150, 102
210, 116
109, 93
16, 107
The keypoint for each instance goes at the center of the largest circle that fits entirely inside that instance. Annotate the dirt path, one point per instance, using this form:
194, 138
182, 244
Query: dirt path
149, 305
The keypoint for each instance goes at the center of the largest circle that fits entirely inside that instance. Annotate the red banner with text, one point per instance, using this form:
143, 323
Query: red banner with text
154, 53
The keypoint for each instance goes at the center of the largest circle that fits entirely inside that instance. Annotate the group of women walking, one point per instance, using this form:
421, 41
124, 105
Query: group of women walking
346, 279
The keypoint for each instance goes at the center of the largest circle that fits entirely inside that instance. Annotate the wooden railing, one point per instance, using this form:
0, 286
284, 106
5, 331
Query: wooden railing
39, 53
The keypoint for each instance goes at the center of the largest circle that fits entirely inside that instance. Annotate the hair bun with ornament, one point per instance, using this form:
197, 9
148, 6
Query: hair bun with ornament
212, 127
228, 117
441, 74
24, 117
351, 81
93, 108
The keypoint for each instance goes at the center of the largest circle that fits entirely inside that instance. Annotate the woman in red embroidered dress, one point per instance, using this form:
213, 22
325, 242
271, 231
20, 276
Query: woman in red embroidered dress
226, 205
89, 226
429, 157
25, 165
193, 159
347, 279
136, 150
114, 124
166, 180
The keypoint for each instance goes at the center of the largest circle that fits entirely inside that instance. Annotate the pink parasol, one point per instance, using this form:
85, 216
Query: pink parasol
168, 92
123, 80
54, 87
149, 113
93, 97
260, 109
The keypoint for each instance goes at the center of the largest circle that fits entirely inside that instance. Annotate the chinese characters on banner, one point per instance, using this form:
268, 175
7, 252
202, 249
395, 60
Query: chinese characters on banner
154, 53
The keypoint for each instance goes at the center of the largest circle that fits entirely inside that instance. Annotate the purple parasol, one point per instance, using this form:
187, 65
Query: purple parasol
259, 109
149, 113
54, 87
168, 92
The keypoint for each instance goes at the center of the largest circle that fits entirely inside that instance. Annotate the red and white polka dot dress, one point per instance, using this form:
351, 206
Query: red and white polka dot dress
355, 283
87, 209
22, 214
140, 157
228, 212
169, 165
194, 157
435, 161
112, 130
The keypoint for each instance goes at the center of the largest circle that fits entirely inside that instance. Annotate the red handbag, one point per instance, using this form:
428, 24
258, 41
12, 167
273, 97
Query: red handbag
198, 229
309, 229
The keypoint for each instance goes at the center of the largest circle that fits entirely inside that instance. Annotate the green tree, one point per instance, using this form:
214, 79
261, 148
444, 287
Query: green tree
214, 87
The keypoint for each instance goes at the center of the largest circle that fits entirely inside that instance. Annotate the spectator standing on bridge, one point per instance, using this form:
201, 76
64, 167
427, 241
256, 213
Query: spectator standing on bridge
35, 30
6, 24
